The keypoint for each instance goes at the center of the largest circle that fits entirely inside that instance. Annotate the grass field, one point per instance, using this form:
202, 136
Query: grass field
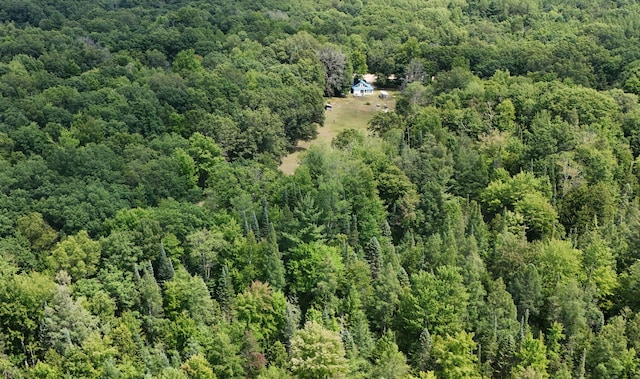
348, 112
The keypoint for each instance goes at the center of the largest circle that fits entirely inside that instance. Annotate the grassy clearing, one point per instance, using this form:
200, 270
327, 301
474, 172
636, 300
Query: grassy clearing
349, 112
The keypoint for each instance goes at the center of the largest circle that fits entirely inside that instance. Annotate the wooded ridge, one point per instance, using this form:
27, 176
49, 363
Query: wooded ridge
486, 227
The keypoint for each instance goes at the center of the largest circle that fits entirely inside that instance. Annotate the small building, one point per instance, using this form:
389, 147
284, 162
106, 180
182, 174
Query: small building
362, 88
383, 95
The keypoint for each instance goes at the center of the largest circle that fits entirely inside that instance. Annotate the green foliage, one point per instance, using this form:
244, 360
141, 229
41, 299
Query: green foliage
314, 270
138, 152
609, 355
386, 297
261, 311
336, 70
584, 205
66, 322
532, 358
558, 261
204, 249
39, 234
78, 255
454, 356
389, 362
347, 138
150, 296
224, 355
437, 300
317, 353
383, 123
497, 324
197, 367
185, 293
527, 196
273, 265
599, 264
26, 295
540, 217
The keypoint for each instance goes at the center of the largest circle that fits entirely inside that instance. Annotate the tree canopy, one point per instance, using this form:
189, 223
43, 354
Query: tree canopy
484, 227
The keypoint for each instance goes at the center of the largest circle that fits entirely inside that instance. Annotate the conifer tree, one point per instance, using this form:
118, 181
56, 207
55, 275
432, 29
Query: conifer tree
164, 270
274, 267
225, 291
150, 295
423, 356
373, 254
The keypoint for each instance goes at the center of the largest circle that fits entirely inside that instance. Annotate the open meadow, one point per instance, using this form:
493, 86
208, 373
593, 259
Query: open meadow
347, 113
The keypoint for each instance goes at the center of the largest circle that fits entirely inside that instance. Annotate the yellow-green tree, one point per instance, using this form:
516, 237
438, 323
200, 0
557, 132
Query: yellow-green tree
317, 353
78, 255
261, 310
454, 356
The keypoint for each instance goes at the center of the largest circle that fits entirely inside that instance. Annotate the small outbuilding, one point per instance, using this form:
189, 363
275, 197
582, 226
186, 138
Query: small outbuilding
384, 95
362, 88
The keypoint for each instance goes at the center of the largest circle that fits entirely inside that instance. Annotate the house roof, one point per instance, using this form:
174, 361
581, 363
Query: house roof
362, 85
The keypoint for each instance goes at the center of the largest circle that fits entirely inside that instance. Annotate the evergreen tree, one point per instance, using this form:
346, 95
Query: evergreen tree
389, 361
274, 267
526, 289
386, 297
150, 295
66, 322
373, 254
423, 357
225, 291
164, 266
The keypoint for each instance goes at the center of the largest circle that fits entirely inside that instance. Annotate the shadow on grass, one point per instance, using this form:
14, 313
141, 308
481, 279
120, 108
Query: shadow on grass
296, 149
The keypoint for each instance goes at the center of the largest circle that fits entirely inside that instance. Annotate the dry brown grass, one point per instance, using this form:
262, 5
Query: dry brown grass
349, 112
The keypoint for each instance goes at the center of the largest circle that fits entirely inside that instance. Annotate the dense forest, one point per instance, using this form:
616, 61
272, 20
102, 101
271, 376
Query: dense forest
488, 227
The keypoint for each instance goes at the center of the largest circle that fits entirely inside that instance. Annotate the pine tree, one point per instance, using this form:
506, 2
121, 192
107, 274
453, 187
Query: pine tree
255, 225
225, 290
294, 315
164, 266
389, 361
66, 323
423, 357
350, 348
361, 333
266, 230
386, 295
274, 267
373, 254
309, 224
386, 229
526, 288
150, 296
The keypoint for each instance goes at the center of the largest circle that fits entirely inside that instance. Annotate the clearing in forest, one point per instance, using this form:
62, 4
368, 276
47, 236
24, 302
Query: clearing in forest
346, 113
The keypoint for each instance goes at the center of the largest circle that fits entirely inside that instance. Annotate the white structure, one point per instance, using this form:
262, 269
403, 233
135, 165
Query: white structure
362, 88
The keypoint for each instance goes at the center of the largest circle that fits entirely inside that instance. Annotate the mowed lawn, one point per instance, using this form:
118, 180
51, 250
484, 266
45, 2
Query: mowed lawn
347, 113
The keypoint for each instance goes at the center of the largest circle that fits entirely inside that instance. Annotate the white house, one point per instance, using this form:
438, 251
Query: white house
362, 88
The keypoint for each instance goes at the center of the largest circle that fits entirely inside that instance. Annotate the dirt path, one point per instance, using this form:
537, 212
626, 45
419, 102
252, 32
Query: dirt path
349, 112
